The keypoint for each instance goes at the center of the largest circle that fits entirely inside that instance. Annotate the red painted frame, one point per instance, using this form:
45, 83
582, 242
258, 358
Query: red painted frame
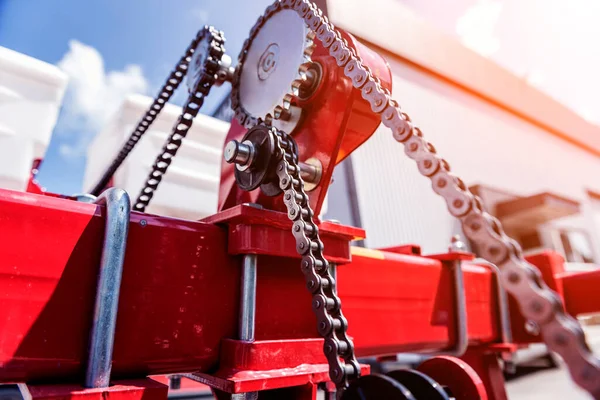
179, 297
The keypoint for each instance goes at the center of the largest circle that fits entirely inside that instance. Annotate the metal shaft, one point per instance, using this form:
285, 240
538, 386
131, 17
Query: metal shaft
244, 154
248, 298
102, 339
239, 153
247, 311
309, 173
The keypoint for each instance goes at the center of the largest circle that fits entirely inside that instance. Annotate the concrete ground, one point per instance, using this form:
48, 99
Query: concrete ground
550, 384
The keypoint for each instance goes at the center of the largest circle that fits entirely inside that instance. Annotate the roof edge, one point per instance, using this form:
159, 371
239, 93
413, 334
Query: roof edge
405, 35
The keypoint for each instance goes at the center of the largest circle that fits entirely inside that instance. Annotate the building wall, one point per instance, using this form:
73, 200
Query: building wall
483, 143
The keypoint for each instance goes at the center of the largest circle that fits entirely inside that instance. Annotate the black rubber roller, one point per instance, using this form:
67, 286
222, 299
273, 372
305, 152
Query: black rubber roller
419, 384
377, 387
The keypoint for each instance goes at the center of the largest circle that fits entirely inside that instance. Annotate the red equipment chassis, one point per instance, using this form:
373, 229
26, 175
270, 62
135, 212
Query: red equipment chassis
179, 302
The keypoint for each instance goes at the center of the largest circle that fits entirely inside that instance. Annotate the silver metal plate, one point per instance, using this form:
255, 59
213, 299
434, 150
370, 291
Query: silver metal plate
272, 62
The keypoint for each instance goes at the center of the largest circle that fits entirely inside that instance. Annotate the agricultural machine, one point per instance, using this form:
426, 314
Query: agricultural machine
263, 299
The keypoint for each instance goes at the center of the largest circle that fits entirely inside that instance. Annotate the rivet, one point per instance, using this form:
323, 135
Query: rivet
413, 147
458, 203
427, 164
494, 251
560, 339
536, 307
513, 277
441, 183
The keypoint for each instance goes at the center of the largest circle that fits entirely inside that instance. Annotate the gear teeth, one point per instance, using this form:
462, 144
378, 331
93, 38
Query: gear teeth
303, 79
296, 86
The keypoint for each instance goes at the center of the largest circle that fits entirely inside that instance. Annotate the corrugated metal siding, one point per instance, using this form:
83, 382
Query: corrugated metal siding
483, 144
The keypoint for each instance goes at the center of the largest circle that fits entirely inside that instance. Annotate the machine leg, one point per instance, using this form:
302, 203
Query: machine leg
247, 311
248, 299
486, 364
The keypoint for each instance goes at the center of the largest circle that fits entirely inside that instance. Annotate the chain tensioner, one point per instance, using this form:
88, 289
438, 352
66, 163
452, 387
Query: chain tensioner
265, 150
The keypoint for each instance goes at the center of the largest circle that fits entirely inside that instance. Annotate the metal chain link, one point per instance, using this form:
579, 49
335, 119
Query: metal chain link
538, 303
165, 93
184, 122
327, 306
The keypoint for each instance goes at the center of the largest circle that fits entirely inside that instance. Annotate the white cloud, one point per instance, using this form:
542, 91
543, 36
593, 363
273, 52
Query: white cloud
476, 27
94, 94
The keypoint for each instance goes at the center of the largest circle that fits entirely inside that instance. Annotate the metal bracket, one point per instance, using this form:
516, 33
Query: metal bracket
102, 337
504, 316
460, 309
453, 261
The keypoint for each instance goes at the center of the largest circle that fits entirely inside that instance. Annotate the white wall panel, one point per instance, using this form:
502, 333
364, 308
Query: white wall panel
483, 144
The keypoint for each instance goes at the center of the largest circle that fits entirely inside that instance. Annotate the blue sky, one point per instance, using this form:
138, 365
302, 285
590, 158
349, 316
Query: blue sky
131, 44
